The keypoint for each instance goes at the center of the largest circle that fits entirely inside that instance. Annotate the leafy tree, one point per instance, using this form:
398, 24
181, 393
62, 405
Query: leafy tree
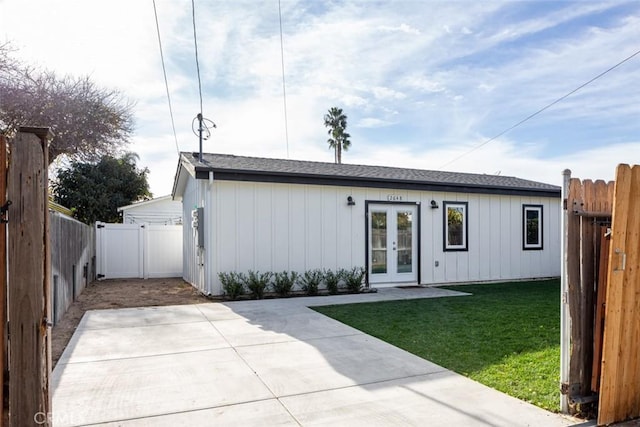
336, 121
88, 121
94, 191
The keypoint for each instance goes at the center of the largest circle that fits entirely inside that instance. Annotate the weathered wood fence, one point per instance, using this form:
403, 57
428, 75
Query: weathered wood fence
4, 366
588, 207
38, 248
600, 366
29, 308
73, 262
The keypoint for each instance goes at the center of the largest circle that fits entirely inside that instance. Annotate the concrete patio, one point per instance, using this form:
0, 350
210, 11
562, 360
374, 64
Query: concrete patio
269, 362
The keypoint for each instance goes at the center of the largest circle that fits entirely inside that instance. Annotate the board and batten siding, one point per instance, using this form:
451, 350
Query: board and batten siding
278, 227
495, 228
297, 227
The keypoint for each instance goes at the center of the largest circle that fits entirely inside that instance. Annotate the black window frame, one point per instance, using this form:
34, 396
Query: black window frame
533, 246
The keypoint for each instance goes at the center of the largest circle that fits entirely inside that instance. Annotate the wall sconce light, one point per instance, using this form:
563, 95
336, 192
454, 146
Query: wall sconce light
434, 204
350, 201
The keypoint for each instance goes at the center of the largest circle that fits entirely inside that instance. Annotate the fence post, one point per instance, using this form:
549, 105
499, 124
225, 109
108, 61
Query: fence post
3, 276
565, 319
29, 272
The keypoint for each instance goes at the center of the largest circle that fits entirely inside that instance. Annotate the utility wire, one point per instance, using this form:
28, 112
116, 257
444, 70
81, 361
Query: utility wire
166, 83
284, 90
195, 41
541, 110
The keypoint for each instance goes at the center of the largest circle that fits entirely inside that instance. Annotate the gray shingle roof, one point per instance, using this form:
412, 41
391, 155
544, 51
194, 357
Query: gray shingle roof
229, 165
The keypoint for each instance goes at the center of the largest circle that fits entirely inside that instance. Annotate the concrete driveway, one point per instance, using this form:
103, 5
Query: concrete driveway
269, 362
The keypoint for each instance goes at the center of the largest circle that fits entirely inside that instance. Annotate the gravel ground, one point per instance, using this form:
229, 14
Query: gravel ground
122, 293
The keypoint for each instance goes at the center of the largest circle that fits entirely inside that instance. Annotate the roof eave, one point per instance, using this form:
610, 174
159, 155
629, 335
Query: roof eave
184, 169
143, 203
201, 172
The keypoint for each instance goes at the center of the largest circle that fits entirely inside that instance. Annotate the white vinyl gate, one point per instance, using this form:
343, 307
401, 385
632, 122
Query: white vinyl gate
138, 250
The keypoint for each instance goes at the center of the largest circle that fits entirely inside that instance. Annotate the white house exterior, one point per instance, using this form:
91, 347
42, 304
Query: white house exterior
161, 211
405, 226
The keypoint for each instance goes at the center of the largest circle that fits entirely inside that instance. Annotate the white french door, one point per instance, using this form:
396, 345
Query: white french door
393, 243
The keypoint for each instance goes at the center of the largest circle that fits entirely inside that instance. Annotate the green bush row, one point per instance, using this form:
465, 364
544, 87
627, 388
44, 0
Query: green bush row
283, 283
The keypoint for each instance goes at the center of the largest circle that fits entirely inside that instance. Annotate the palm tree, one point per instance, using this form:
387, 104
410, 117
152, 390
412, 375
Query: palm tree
336, 121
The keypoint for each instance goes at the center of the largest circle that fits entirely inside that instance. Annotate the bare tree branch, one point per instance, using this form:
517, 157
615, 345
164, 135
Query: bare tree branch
88, 121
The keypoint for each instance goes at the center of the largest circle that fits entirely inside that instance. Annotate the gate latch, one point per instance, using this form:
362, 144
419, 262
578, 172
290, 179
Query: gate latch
3, 211
623, 258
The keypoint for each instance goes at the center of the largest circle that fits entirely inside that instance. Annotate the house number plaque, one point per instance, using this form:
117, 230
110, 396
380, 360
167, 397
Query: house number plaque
394, 198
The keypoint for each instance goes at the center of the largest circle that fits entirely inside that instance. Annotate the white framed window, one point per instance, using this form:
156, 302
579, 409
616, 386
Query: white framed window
455, 226
531, 227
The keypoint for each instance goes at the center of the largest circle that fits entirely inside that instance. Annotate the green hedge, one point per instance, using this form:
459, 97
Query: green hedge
311, 282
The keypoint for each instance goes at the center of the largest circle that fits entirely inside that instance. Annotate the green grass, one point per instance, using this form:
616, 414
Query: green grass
505, 335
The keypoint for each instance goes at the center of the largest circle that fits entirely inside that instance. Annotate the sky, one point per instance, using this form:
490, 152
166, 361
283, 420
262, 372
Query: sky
423, 83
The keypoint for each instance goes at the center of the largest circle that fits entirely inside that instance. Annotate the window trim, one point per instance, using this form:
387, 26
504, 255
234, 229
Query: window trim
465, 227
532, 246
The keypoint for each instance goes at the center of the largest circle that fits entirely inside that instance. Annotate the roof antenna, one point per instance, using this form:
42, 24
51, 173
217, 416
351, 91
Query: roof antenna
199, 117
203, 124
203, 132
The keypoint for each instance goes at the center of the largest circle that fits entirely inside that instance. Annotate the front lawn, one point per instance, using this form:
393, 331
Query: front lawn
505, 335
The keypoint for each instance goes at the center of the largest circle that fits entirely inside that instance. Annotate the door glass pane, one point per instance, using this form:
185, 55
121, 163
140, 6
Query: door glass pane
378, 242
404, 222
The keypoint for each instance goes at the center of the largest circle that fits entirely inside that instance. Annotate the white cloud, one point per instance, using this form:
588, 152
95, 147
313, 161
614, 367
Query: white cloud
422, 83
445, 74
403, 28
386, 93
372, 122
511, 159
352, 100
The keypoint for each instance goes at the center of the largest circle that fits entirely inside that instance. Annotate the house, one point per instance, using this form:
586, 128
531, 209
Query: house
161, 211
405, 226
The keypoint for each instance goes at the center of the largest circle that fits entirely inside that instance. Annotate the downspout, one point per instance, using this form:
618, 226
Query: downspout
565, 319
209, 267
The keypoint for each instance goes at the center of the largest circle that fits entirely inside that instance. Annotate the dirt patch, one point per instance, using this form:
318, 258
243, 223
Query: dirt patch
122, 293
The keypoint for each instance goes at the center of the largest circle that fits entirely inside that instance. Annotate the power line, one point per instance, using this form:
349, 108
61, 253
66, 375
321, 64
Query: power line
203, 124
541, 110
166, 83
195, 42
284, 90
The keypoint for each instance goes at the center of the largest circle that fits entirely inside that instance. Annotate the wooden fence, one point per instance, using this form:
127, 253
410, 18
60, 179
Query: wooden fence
73, 262
29, 308
620, 379
600, 367
38, 247
588, 208
4, 366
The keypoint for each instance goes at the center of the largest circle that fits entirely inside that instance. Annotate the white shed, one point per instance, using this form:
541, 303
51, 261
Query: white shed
405, 226
161, 210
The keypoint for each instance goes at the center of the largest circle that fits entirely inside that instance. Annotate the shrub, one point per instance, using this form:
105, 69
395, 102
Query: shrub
232, 284
353, 279
342, 275
283, 282
257, 282
310, 281
332, 280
